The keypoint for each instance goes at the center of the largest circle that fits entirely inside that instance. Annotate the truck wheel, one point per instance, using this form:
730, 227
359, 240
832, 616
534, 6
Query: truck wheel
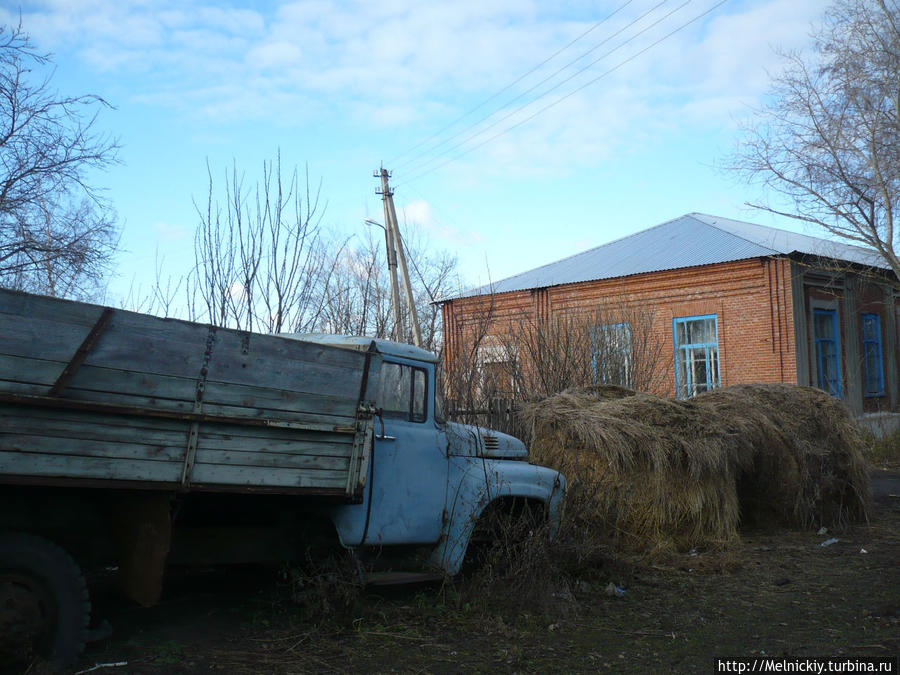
44, 604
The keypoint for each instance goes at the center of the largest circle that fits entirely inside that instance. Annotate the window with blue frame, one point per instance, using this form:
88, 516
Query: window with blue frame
828, 351
696, 354
611, 353
873, 364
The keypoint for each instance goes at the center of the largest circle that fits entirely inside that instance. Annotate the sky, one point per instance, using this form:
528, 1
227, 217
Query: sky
609, 116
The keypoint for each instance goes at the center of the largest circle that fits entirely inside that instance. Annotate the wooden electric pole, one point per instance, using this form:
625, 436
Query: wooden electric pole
395, 251
390, 254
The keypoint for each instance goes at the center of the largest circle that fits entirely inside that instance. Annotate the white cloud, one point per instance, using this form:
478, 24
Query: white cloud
418, 212
170, 231
237, 290
418, 215
279, 54
399, 63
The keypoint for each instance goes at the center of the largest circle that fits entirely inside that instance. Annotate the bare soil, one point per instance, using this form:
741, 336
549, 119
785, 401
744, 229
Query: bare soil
777, 593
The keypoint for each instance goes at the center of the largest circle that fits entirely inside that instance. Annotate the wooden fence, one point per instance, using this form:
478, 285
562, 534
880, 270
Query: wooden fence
501, 414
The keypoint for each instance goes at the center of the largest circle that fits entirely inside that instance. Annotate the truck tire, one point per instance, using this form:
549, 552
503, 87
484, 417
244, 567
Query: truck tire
44, 603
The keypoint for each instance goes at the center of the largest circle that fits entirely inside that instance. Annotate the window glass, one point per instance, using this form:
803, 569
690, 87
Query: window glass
693, 331
696, 355
828, 351
395, 388
439, 409
496, 368
872, 360
404, 391
824, 324
420, 392
611, 353
870, 327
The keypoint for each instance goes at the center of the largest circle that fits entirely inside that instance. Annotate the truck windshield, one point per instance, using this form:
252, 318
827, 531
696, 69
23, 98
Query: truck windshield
404, 391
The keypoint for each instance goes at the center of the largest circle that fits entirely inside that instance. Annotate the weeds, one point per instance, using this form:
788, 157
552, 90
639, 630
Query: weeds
885, 451
325, 587
515, 566
168, 652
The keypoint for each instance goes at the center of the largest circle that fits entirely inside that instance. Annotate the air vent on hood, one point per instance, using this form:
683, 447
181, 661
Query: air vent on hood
490, 442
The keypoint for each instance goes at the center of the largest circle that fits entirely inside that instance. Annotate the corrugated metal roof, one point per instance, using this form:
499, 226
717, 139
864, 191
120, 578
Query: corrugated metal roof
691, 240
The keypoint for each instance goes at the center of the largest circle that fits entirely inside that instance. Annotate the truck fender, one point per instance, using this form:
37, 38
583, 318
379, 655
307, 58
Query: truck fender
485, 484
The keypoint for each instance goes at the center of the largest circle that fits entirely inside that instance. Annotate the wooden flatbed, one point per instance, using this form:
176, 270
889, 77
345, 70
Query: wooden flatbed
98, 396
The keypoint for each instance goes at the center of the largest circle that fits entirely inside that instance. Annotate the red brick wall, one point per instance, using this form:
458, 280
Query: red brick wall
751, 299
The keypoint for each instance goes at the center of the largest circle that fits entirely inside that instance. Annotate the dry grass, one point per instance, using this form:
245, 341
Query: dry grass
656, 475
885, 450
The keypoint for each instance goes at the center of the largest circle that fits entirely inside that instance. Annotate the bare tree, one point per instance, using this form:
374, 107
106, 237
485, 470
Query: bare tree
463, 374
612, 344
357, 298
264, 264
830, 139
260, 263
496, 359
433, 274
66, 250
57, 233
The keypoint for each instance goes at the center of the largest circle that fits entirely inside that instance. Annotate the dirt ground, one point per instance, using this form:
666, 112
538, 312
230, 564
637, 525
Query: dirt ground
776, 594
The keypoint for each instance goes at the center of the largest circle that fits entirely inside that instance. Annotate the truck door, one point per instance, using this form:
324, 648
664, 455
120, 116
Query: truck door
409, 461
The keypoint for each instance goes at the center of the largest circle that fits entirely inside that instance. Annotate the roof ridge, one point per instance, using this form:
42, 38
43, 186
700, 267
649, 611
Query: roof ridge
738, 236
823, 240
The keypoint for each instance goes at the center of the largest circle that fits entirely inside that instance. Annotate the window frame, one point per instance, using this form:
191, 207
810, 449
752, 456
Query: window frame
836, 340
876, 341
504, 357
625, 351
679, 348
410, 413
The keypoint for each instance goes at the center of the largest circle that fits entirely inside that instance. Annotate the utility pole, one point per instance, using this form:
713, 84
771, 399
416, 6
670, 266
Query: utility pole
390, 252
395, 250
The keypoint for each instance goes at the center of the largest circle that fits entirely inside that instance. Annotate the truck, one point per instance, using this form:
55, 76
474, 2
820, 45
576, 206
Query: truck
133, 442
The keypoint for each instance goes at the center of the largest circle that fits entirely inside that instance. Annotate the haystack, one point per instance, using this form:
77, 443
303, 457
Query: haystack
659, 474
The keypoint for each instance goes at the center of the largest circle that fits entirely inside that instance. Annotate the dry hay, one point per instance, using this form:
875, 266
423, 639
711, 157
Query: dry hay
660, 474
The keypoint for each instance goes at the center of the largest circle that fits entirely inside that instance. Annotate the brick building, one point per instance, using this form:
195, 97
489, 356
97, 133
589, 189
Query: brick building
732, 302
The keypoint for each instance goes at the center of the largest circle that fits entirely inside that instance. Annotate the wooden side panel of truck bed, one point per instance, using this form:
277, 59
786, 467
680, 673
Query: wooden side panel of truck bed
94, 394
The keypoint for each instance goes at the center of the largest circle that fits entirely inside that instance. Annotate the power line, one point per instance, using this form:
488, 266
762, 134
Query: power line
559, 84
511, 84
571, 93
532, 88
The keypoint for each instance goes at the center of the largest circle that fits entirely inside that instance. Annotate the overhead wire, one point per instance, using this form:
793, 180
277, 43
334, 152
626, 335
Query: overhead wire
509, 86
556, 86
569, 95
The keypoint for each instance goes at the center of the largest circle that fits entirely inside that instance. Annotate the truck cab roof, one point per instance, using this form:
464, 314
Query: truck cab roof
362, 344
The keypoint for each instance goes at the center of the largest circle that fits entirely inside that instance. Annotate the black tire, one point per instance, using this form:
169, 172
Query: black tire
44, 603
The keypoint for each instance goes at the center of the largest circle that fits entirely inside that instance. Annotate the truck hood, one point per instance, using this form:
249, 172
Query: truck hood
470, 440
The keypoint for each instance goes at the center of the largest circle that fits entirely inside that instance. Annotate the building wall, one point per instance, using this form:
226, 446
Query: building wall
752, 301
851, 295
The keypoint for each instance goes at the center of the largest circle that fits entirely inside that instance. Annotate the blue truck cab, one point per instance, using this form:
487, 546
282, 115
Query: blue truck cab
430, 480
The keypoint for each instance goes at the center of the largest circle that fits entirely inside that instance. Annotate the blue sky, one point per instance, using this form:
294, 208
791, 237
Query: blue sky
343, 86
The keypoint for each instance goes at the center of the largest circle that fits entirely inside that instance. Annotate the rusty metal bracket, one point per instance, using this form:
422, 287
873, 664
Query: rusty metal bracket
190, 454
81, 353
359, 455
